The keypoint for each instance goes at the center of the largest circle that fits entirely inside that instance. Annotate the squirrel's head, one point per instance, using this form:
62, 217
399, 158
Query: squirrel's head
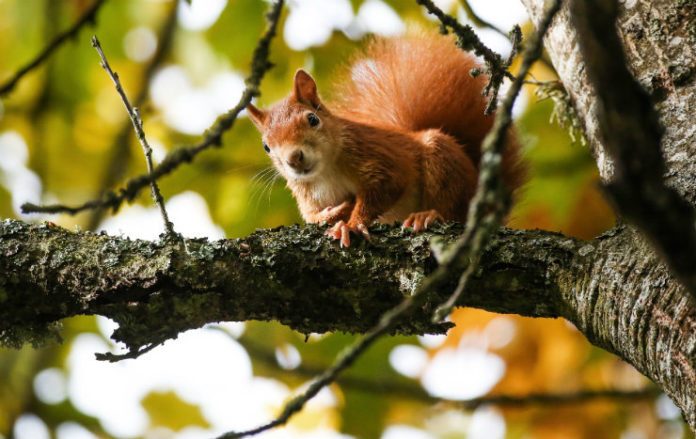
298, 133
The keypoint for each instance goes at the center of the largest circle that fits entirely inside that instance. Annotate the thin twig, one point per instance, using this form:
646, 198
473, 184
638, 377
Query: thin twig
344, 360
365, 384
496, 66
113, 358
552, 399
134, 115
213, 137
481, 23
120, 151
478, 21
487, 213
88, 17
491, 201
417, 393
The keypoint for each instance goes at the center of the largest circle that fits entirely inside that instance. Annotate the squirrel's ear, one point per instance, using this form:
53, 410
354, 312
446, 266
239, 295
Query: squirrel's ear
257, 116
306, 89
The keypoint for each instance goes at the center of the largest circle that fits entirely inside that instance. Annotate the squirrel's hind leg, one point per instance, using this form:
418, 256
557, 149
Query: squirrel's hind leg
449, 178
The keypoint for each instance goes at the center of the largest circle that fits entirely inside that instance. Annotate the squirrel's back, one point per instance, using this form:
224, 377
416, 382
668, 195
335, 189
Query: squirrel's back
422, 81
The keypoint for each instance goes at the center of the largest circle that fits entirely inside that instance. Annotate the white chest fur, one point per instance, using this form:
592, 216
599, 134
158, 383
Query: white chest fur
332, 189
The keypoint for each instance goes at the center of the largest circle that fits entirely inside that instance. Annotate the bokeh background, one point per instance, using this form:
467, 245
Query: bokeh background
65, 137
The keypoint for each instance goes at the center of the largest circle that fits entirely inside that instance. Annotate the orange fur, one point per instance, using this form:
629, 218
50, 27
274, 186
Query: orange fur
403, 137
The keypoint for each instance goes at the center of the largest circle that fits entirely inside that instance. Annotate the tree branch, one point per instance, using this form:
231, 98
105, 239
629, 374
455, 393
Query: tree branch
213, 137
294, 275
137, 122
88, 17
614, 289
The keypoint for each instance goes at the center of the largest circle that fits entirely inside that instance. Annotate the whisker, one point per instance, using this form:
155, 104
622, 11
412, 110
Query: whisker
263, 172
268, 183
270, 188
259, 185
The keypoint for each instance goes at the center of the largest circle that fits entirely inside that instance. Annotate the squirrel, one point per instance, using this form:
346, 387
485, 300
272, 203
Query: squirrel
401, 142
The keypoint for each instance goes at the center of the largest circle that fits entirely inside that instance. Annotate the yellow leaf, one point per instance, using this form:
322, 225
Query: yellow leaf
167, 409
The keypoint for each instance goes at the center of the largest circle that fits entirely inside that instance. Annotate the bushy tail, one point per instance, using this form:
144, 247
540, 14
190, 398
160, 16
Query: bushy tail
423, 81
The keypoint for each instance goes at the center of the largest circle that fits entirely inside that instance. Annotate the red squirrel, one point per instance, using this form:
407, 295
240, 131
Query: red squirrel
401, 142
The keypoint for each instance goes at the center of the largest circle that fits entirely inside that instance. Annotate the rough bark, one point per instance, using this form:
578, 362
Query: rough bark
659, 41
660, 44
294, 275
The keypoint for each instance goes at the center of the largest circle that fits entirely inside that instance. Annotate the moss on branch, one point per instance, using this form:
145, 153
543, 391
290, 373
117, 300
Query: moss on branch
294, 275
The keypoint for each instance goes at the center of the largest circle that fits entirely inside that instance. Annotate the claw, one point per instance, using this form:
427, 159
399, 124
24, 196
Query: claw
362, 228
408, 222
341, 231
345, 236
419, 221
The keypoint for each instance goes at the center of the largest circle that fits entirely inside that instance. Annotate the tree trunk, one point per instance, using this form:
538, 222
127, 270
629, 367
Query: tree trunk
659, 41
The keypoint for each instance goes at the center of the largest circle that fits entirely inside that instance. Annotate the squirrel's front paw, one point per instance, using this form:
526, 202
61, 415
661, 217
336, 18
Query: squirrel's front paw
342, 230
421, 220
332, 214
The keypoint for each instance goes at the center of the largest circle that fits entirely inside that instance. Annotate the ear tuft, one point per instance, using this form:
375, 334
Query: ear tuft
257, 116
306, 89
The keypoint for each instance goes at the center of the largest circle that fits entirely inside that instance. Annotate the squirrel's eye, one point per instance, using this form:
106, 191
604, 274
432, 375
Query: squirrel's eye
313, 119
265, 147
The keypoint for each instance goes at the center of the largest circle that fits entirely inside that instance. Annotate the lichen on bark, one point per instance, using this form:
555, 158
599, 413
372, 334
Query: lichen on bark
293, 274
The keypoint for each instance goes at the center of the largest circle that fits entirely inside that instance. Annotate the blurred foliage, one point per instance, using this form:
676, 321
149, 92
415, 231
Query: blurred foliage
69, 114
167, 409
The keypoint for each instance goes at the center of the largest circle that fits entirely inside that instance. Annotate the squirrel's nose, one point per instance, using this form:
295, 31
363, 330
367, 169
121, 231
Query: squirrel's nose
296, 160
